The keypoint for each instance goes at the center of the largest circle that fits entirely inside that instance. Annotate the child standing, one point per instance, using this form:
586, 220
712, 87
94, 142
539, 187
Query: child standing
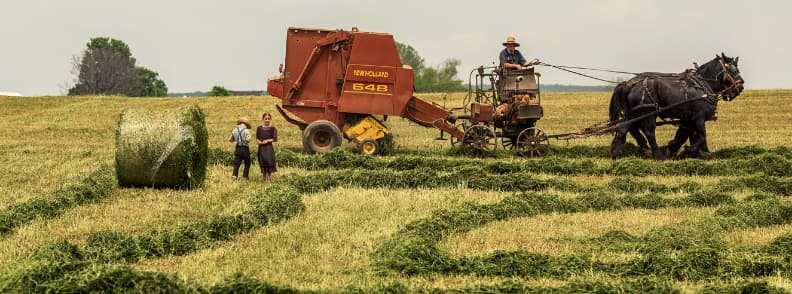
265, 136
240, 136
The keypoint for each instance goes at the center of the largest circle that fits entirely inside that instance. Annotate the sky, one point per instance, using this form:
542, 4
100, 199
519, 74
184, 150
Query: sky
238, 44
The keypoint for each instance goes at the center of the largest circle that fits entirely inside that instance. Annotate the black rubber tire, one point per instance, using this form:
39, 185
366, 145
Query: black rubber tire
369, 147
321, 136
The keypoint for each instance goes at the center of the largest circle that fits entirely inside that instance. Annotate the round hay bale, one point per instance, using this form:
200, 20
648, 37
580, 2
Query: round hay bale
162, 150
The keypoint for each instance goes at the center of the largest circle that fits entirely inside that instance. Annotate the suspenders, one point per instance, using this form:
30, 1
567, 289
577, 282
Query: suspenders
239, 137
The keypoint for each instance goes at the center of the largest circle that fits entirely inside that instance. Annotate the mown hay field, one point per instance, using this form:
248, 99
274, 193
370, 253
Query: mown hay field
421, 219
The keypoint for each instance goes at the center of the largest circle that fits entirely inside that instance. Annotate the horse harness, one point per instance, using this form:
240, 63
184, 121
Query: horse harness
689, 78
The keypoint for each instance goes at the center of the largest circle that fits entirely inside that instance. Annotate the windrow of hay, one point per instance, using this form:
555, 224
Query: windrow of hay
770, 162
102, 264
686, 251
414, 250
97, 185
163, 150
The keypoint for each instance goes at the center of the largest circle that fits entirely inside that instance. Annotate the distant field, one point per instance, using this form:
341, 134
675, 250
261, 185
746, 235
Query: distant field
422, 218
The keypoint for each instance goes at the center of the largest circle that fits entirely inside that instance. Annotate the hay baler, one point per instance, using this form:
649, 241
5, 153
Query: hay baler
335, 81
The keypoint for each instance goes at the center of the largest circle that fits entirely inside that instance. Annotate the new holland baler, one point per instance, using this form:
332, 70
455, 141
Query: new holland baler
335, 81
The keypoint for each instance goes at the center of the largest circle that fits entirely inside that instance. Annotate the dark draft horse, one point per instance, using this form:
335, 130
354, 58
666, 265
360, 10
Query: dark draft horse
690, 97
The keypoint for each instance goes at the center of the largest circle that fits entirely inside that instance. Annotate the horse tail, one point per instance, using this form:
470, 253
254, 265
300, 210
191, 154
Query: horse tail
616, 103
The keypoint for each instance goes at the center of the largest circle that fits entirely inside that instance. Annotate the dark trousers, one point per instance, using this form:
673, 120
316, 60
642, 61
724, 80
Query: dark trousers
242, 154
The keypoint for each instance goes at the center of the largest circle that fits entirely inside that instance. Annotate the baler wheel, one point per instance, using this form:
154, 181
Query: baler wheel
321, 136
369, 147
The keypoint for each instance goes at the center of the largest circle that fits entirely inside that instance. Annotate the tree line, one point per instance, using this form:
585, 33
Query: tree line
107, 67
442, 78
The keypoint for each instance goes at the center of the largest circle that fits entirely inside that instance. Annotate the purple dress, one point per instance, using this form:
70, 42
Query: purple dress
266, 153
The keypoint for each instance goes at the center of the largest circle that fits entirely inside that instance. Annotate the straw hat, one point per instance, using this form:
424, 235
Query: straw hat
243, 120
511, 40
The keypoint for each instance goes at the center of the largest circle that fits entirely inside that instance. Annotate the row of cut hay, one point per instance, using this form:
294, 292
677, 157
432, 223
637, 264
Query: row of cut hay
167, 150
63, 266
639, 285
770, 163
477, 179
688, 251
603, 152
116, 247
282, 200
60, 267
272, 205
421, 172
97, 185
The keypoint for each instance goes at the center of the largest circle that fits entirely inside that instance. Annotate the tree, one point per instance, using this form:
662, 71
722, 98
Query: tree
431, 79
409, 56
150, 84
107, 67
219, 91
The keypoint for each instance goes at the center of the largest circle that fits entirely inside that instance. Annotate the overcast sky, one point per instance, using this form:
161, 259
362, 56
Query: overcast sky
195, 44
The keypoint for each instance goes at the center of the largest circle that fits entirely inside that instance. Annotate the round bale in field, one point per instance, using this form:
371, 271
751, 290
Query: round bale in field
162, 150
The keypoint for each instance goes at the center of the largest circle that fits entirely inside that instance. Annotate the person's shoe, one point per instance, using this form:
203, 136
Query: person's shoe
246, 179
233, 178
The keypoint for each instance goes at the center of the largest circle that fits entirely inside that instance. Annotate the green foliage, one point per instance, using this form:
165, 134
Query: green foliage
150, 84
116, 45
219, 91
410, 56
387, 144
108, 67
440, 79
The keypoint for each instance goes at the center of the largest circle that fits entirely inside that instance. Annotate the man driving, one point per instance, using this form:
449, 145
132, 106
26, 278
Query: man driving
511, 58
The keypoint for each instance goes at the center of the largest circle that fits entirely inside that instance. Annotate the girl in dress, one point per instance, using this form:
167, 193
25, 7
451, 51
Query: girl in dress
266, 134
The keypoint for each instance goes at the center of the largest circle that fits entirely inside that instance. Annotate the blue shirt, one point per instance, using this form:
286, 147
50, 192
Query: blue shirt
513, 58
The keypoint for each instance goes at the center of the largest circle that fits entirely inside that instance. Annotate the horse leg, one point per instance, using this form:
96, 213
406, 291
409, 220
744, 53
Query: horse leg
648, 127
681, 136
699, 139
618, 140
639, 139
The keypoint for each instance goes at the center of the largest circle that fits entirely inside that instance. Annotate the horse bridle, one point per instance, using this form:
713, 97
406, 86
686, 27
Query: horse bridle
727, 77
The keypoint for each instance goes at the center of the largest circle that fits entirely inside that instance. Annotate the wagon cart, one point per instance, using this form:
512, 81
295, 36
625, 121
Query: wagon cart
502, 106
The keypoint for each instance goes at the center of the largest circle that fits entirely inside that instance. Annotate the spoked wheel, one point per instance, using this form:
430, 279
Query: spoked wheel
479, 140
458, 125
508, 143
533, 142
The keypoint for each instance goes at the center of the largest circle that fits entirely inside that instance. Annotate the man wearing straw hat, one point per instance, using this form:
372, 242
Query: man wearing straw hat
240, 136
511, 58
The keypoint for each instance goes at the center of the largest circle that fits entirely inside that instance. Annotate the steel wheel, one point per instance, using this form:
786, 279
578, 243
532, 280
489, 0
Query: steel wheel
479, 140
508, 143
533, 142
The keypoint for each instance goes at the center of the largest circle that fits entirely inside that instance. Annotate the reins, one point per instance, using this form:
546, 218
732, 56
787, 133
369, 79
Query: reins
567, 69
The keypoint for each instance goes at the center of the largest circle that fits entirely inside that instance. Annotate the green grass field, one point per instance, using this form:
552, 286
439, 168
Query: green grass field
421, 219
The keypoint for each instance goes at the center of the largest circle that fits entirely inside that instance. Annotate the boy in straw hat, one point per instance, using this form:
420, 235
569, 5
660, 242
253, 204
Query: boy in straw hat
240, 136
511, 58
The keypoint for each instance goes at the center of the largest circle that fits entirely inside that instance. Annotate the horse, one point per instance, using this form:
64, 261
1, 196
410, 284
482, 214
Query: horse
690, 96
